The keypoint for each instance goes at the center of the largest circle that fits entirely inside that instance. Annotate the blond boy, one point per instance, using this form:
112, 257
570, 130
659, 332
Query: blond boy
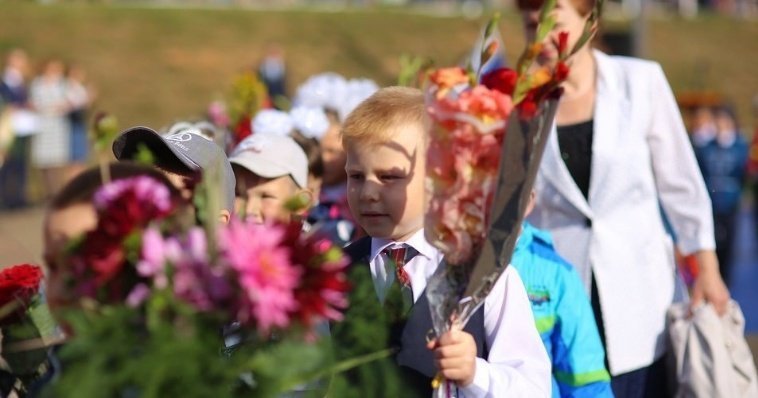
500, 353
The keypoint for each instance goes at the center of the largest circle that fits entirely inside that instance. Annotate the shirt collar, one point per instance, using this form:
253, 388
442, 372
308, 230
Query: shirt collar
529, 233
417, 241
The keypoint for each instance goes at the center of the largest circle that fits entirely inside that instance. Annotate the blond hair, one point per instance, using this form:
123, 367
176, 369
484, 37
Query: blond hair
375, 119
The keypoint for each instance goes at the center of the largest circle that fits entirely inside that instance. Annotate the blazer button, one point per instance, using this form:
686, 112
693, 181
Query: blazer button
588, 223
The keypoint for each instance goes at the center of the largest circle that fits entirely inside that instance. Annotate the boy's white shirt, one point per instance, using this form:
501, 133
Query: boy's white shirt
517, 364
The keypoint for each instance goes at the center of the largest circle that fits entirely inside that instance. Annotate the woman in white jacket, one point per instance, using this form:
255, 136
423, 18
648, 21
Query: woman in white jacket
619, 160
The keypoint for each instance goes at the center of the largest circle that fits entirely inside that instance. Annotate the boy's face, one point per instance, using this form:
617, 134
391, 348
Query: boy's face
262, 199
61, 226
385, 185
186, 186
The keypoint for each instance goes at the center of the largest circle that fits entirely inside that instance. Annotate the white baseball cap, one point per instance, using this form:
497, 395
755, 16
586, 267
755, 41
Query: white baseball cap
272, 156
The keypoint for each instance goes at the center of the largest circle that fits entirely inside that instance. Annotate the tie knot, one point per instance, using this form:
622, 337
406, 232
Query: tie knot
400, 254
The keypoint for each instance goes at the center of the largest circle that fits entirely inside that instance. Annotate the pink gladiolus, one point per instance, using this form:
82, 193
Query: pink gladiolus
463, 160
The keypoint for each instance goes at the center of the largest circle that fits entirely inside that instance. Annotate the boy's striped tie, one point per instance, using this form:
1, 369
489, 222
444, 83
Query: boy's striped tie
400, 255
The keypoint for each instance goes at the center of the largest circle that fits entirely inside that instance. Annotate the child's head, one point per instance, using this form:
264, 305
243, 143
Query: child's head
332, 153
310, 124
71, 213
384, 139
312, 151
726, 120
184, 156
269, 170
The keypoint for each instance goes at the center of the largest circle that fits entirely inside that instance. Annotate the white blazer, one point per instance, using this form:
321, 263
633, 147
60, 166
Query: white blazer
642, 162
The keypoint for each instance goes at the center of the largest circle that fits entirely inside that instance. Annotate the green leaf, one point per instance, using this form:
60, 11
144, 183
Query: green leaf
491, 25
143, 155
544, 28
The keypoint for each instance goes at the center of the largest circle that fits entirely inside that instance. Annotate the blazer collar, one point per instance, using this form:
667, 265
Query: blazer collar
608, 121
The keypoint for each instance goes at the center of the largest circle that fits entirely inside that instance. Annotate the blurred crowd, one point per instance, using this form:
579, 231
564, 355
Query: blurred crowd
728, 160
43, 125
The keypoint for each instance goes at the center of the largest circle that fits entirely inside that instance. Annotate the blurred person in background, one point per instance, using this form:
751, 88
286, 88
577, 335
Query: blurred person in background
80, 95
703, 128
722, 161
51, 146
14, 104
273, 72
752, 165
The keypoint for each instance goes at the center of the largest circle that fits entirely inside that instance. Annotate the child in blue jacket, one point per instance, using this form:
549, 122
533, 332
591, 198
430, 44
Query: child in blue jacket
563, 316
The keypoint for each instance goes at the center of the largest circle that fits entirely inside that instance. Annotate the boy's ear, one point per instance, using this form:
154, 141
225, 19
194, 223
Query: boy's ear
224, 216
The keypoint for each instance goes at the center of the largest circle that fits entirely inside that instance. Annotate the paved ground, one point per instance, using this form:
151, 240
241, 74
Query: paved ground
21, 236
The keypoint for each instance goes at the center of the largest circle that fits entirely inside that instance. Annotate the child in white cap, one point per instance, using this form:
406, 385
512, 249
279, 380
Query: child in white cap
269, 169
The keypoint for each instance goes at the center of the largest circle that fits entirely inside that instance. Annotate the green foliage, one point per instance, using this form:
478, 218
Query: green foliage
247, 97
144, 155
120, 352
366, 329
413, 70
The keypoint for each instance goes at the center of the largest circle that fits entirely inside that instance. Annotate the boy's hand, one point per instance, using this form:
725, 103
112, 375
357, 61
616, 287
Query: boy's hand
455, 356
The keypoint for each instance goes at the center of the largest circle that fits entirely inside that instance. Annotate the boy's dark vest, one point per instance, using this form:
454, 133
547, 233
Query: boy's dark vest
415, 360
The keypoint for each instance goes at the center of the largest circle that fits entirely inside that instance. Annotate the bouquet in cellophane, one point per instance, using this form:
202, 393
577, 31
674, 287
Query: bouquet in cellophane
487, 137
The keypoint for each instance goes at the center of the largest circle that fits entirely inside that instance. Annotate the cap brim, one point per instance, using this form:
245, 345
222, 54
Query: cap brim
127, 145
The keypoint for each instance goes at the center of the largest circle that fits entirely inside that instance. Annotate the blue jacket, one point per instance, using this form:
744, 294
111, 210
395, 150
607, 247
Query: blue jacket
563, 315
723, 169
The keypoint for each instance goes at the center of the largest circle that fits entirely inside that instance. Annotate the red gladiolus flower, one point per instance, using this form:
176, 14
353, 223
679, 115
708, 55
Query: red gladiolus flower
562, 44
243, 129
19, 282
561, 72
528, 106
501, 79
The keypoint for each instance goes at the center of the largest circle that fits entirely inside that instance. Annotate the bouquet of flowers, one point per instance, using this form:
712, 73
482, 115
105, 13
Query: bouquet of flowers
27, 329
160, 307
488, 133
470, 114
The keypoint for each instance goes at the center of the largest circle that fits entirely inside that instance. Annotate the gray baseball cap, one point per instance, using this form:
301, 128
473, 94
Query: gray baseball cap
183, 151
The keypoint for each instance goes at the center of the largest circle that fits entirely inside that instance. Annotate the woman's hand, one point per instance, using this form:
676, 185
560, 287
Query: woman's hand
709, 286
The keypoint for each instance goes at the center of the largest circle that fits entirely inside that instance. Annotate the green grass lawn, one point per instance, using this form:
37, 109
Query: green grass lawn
152, 66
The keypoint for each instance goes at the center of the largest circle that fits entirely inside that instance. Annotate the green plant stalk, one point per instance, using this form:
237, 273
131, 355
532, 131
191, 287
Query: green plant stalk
341, 367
